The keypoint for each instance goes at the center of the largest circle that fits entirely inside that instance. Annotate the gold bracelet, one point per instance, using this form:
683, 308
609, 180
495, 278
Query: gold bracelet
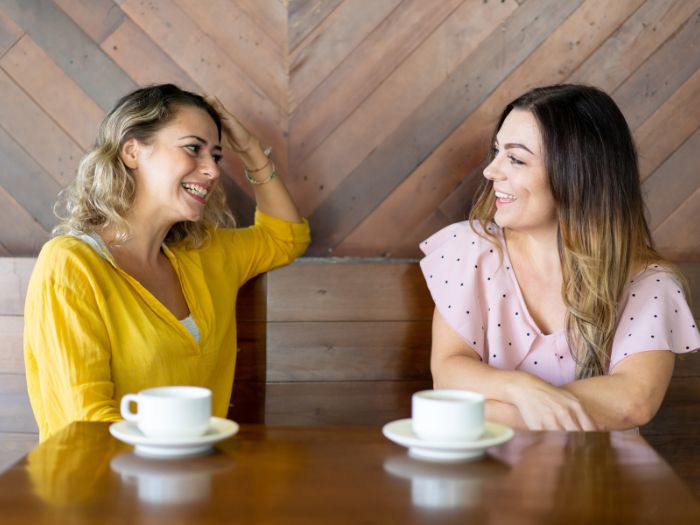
267, 179
260, 168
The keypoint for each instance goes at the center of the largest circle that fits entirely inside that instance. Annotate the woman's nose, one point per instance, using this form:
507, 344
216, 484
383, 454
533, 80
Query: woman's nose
210, 168
493, 171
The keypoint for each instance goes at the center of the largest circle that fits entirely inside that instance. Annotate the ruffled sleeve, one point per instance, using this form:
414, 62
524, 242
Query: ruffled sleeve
654, 316
451, 271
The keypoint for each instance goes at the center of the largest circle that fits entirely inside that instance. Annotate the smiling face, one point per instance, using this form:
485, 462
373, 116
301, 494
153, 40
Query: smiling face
177, 172
524, 201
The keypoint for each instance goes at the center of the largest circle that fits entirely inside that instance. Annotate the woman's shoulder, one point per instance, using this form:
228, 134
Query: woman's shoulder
64, 257
471, 235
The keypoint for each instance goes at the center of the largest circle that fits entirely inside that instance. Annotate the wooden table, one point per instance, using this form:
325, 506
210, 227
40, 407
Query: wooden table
348, 475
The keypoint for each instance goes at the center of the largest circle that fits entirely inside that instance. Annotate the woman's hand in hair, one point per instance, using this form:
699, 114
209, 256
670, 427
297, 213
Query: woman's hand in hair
546, 407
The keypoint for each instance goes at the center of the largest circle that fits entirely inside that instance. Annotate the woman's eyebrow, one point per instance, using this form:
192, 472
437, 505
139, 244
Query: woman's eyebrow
512, 145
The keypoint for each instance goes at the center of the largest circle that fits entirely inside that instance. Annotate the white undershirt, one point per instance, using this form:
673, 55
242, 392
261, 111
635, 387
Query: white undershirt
96, 242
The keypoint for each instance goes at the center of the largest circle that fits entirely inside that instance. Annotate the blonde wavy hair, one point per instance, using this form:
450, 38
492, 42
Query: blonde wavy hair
104, 188
603, 236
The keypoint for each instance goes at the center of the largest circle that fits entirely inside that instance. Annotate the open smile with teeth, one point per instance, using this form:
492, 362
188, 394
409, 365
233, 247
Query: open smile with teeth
195, 189
505, 196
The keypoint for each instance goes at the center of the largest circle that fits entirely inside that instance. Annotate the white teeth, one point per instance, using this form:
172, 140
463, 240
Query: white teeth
195, 189
505, 196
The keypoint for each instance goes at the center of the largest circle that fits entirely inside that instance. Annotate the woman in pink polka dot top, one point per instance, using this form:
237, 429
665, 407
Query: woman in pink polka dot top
550, 300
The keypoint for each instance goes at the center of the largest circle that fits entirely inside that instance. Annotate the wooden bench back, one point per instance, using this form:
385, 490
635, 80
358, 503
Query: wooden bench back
321, 342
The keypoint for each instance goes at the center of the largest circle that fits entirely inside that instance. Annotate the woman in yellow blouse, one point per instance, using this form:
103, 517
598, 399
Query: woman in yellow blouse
138, 287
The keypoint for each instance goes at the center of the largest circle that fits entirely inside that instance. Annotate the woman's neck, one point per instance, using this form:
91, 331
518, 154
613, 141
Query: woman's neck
538, 249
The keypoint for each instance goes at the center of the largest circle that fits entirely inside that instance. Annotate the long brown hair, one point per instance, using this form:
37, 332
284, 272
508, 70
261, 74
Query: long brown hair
603, 236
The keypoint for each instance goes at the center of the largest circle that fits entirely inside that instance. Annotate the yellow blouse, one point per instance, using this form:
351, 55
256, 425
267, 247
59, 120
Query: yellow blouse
93, 333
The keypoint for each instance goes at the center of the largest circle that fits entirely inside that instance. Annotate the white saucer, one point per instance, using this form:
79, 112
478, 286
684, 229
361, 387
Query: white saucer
401, 432
171, 447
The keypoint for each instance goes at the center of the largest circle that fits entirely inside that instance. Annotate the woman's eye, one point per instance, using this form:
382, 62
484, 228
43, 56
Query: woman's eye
494, 151
193, 148
515, 161
217, 157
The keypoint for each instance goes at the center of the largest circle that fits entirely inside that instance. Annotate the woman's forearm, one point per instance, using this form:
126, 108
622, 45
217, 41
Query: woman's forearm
631, 395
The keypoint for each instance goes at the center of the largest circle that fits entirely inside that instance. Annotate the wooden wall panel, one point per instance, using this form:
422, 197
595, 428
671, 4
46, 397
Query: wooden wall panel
379, 112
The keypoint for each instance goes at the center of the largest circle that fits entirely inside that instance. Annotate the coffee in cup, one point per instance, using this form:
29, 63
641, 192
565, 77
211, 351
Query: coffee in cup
172, 411
448, 415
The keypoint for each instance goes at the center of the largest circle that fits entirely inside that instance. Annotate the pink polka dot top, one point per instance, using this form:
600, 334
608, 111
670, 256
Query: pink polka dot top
478, 295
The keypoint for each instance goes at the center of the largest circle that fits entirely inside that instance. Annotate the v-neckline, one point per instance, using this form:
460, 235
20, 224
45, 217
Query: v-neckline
103, 250
523, 305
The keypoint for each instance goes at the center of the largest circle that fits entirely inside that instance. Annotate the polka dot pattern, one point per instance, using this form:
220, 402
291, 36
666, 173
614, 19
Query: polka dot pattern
476, 292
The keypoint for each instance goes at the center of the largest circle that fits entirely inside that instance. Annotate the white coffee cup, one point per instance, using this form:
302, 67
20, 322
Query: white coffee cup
171, 411
447, 415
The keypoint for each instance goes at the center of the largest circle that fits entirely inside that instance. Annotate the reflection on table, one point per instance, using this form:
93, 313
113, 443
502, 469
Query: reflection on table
344, 475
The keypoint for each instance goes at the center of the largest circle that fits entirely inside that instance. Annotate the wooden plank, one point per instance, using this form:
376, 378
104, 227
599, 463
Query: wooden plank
394, 39
270, 17
33, 189
661, 75
15, 411
348, 351
667, 188
625, 51
691, 271
71, 49
259, 58
688, 365
677, 236
304, 16
679, 451
447, 107
418, 196
11, 352
56, 93
4, 252
676, 120
9, 33
679, 413
13, 446
251, 358
333, 40
333, 291
127, 46
98, 18
37, 134
251, 304
14, 279
340, 403
247, 402
201, 58
20, 233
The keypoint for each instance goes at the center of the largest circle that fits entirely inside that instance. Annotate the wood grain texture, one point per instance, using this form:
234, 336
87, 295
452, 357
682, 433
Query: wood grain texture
348, 292
21, 233
14, 280
14, 446
379, 112
340, 402
442, 112
669, 186
77, 54
39, 138
11, 353
348, 351
15, 410
448, 177
60, 98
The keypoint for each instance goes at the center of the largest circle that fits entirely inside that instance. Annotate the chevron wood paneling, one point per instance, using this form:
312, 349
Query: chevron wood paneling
379, 111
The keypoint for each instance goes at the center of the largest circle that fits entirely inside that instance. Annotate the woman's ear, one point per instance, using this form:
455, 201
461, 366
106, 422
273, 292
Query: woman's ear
129, 153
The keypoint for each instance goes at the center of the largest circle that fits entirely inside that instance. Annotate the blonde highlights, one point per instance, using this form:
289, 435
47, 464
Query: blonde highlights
103, 190
603, 236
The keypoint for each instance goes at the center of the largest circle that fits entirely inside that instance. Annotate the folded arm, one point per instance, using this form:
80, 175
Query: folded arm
628, 397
